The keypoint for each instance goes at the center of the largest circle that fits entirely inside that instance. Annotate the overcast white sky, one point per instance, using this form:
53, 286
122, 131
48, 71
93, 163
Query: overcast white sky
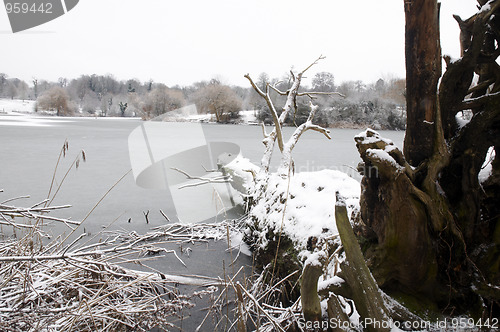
180, 42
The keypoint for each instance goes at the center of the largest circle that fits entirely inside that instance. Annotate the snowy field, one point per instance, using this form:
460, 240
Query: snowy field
16, 106
20, 113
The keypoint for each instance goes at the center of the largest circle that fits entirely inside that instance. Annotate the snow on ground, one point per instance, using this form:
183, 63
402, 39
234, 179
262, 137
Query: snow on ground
23, 121
21, 113
249, 117
28, 120
238, 243
14, 112
16, 106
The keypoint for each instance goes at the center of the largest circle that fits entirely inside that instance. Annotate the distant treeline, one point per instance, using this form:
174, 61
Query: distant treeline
380, 105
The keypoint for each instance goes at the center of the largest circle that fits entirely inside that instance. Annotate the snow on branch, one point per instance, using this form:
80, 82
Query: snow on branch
474, 103
321, 57
286, 159
308, 125
278, 91
34, 212
203, 180
289, 107
313, 94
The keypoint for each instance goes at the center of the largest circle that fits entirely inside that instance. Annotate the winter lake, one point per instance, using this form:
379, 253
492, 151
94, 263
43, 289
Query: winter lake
29, 149
30, 146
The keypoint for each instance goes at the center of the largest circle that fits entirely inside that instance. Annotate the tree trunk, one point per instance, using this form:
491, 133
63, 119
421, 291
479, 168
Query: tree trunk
396, 217
433, 231
423, 69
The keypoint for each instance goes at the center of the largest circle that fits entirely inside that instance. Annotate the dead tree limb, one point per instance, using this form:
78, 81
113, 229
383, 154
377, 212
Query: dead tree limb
311, 306
286, 157
203, 180
288, 108
366, 294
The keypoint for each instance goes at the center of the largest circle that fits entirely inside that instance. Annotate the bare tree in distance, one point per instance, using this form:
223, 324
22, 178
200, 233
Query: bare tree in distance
323, 81
219, 100
55, 99
162, 99
123, 108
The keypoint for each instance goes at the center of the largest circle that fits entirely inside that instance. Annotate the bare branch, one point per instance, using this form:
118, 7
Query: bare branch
311, 94
276, 134
209, 170
35, 213
218, 179
474, 103
256, 303
74, 289
10, 223
266, 135
290, 106
251, 171
320, 129
165, 216
321, 57
308, 125
278, 91
15, 198
277, 83
481, 86
254, 86
286, 158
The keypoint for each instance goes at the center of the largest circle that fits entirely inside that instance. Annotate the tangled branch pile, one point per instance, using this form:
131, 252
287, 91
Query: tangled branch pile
49, 285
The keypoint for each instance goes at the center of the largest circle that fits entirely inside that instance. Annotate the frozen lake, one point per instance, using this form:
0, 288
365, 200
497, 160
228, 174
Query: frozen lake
29, 149
29, 152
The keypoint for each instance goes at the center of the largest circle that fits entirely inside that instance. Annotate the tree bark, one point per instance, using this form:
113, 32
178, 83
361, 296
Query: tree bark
396, 217
311, 306
423, 70
365, 291
433, 231
337, 314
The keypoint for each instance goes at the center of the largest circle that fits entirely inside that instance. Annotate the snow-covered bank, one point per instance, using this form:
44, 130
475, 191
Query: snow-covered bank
189, 114
16, 106
15, 112
21, 113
